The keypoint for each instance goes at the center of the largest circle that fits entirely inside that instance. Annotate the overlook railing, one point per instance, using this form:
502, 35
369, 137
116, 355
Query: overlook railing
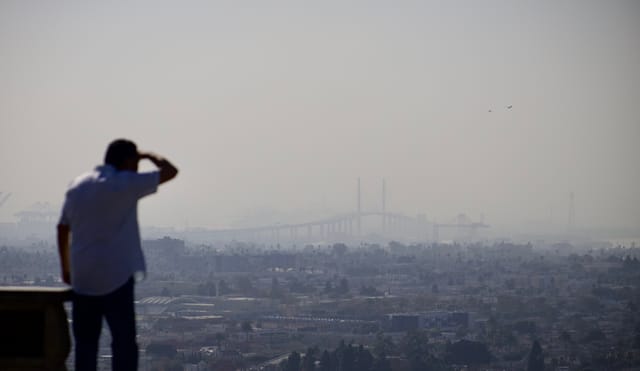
34, 333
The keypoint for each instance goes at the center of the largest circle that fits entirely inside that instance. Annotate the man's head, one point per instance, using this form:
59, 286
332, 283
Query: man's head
122, 154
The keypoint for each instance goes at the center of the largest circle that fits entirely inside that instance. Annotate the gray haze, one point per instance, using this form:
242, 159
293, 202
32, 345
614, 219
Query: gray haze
281, 105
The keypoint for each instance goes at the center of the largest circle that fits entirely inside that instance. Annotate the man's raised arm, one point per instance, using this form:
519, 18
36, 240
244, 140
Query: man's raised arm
167, 170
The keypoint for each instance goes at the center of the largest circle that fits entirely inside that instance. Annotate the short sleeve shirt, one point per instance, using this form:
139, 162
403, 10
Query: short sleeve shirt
101, 209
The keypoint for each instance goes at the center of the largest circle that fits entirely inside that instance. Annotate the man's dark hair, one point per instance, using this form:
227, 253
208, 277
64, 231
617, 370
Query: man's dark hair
119, 151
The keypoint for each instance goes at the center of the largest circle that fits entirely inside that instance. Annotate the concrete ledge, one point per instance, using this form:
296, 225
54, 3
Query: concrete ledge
34, 333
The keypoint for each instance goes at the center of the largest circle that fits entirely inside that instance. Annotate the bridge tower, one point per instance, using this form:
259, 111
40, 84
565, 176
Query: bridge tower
359, 216
4, 198
572, 213
384, 205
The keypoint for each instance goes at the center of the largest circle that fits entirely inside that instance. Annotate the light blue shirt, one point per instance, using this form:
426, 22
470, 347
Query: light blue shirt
101, 209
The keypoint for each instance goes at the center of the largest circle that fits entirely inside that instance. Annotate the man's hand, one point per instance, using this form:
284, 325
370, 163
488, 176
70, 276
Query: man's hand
167, 170
64, 234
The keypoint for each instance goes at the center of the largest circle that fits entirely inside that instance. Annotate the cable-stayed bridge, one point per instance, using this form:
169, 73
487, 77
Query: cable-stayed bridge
346, 226
356, 225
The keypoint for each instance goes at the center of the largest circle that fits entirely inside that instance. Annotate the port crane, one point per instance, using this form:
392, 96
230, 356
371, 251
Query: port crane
4, 198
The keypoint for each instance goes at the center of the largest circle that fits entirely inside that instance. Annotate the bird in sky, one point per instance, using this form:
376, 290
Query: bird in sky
510, 106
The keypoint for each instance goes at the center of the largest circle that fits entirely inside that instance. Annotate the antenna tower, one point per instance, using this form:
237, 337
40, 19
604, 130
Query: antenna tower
572, 213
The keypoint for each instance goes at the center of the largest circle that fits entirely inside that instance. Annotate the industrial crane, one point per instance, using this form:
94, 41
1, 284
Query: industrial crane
4, 199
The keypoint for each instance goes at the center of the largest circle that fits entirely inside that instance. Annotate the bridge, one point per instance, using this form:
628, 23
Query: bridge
350, 226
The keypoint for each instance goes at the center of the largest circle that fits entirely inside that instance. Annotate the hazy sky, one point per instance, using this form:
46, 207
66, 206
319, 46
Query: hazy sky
281, 105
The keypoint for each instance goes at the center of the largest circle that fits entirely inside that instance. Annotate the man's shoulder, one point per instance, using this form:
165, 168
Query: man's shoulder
107, 181
82, 179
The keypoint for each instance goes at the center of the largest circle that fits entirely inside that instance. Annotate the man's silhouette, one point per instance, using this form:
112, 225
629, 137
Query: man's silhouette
100, 219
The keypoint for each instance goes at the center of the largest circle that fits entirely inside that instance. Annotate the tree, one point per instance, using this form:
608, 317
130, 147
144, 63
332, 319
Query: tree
246, 328
161, 350
370, 291
166, 364
223, 288
346, 357
328, 287
165, 292
344, 286
300, 287
339, 249
565, 337
244, 285
383, 345
206, 289
536, 358
220, 337
293, 362
525, 327
467, 352
364, 359
415, 346
381, 363
309, 360
327, 362
276, 290
594, 335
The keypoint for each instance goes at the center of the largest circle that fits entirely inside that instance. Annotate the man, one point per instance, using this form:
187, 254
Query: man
105, 257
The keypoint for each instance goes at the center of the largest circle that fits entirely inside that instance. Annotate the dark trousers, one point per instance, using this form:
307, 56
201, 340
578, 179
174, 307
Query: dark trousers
118, 309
